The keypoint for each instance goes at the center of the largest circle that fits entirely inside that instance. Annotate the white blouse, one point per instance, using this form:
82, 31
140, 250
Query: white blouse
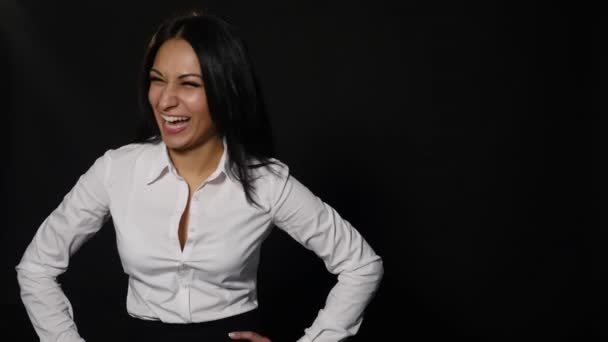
215, 274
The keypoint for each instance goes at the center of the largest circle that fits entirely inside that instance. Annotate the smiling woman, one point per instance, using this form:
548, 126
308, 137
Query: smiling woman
192, 202
205, 50
178, 98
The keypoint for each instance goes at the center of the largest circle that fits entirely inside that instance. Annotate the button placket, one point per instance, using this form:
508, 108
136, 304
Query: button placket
178, 215
182, 274
194, 209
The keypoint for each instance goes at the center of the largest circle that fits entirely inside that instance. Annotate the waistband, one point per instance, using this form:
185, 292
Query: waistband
212, 331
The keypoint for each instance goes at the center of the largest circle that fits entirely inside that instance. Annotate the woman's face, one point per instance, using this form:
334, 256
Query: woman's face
177, 97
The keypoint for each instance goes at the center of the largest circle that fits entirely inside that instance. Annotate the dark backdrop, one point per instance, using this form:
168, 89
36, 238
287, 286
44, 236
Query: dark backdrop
461, 140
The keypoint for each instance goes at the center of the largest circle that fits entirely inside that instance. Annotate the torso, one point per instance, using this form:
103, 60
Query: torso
223, 231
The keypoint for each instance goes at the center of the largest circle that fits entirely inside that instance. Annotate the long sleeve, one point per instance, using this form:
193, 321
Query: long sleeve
81, 213
319, 228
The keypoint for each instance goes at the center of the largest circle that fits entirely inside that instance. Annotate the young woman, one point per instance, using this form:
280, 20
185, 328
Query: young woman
192, 203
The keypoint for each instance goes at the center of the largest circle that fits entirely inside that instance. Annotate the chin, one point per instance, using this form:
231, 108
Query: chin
187, 141
176, 144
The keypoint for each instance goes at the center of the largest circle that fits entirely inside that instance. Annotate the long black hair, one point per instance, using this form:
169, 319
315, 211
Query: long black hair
235, 102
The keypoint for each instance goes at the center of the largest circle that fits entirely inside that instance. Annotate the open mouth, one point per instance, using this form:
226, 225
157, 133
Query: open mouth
175, 119
174, 124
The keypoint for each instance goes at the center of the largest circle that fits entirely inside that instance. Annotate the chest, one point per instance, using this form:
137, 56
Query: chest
224, 232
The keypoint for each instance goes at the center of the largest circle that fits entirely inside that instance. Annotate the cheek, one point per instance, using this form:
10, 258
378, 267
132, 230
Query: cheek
152, 96
197, 105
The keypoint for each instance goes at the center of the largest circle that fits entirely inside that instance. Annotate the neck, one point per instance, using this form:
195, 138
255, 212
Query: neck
199, 162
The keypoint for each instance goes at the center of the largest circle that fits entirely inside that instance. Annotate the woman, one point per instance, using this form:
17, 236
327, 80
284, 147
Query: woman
192, 203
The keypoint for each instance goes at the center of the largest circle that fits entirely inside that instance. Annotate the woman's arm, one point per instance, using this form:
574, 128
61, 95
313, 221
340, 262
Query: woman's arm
81, 213
318, 227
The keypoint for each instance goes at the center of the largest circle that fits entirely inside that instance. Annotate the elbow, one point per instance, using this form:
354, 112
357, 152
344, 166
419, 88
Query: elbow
373, 272
26, 282
22, 274
32, 277
25, 278
369, 272
34, 285
378, 269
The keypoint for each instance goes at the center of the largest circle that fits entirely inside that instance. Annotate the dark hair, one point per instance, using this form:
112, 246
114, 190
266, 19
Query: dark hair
235, 102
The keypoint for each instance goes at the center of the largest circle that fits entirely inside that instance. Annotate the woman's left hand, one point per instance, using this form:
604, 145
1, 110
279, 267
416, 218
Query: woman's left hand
249, 336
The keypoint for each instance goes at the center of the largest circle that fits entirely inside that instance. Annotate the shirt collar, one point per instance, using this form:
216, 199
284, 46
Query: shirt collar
161, 164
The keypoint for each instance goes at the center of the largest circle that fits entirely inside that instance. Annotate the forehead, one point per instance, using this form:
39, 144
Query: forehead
176, 56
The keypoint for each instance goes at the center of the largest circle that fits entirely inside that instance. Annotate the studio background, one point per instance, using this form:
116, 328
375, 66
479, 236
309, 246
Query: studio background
455, 137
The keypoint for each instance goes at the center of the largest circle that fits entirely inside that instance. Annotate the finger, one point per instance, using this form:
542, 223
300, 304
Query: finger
248, 335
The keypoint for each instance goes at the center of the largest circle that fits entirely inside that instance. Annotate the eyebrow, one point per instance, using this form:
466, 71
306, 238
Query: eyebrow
180, 76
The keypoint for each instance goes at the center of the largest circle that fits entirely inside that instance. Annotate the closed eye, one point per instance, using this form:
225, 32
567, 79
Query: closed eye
191, 84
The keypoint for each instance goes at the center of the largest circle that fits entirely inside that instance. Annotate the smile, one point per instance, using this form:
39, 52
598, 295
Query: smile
174, 124
174, 119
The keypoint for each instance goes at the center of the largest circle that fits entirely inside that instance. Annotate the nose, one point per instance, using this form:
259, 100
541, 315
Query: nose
168, 98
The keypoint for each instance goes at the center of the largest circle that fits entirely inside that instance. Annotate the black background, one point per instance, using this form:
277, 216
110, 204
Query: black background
462, 140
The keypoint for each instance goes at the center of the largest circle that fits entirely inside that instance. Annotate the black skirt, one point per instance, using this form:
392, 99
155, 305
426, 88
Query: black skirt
211, 331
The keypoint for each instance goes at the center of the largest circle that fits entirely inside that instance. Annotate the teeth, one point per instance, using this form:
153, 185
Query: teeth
174, 118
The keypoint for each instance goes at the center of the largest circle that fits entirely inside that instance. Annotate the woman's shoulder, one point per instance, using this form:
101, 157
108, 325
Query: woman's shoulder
271, 169
125, 157
129, 151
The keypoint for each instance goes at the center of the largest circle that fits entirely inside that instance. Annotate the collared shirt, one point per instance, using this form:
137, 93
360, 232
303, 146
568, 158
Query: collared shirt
214, 276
